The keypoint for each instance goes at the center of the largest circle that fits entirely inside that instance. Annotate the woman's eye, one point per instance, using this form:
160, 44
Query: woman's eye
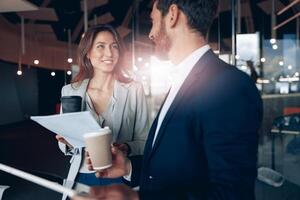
115, 46
100, 46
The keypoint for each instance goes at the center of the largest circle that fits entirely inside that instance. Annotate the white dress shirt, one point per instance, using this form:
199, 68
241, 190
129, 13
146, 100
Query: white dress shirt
183, 70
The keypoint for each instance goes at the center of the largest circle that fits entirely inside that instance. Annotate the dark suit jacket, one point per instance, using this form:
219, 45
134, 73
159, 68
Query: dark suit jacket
206, 147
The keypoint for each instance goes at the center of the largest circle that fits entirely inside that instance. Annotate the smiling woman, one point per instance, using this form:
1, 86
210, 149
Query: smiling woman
113, 100
96, 41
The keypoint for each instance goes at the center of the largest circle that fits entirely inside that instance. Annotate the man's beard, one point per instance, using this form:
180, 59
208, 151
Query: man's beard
162, 43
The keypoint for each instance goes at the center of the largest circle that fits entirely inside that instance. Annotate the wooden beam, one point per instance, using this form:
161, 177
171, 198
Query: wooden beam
286, 21
287, 7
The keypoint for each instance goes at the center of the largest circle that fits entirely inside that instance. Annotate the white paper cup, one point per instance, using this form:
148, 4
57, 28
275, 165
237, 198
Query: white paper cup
98, 144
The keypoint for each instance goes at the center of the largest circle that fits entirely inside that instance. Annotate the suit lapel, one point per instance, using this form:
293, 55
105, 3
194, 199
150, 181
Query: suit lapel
148, 145
191, 78
121, 93
149, 141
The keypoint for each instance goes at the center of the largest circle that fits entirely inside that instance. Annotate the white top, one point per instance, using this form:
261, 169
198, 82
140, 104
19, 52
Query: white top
104, 119
183, 69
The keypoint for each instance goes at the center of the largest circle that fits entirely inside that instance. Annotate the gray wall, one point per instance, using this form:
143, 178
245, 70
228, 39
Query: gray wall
19, 94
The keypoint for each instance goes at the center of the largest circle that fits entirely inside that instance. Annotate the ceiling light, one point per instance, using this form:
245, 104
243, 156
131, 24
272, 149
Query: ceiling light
19, 72
36, 61
69, 72
281, 63
263, 60
52, 73
272, 41
275, 46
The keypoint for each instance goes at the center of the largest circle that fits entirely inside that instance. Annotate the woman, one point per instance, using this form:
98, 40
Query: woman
114, 100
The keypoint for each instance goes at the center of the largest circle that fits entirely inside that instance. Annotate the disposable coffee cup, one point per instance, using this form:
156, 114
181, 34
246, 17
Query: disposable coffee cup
71, 104
98, 144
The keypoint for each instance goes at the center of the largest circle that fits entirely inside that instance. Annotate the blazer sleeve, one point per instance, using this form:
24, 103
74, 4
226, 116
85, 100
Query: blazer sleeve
230, 134
141, 123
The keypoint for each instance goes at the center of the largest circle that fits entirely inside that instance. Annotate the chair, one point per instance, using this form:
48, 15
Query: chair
283, 125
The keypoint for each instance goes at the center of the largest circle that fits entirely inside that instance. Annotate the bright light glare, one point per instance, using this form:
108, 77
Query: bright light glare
263, 60
52, 73
70, 60
160, 72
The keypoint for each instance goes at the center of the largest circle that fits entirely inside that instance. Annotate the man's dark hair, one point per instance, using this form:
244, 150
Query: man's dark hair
200, 13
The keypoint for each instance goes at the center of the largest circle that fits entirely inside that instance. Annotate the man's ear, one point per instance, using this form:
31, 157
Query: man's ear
173, 15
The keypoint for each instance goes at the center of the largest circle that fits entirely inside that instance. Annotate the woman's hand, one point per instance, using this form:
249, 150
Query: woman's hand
63, 140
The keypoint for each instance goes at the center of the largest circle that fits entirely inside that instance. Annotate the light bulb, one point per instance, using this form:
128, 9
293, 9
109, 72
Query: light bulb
273, 41
69, 72
36, 61
19, 72
263, 60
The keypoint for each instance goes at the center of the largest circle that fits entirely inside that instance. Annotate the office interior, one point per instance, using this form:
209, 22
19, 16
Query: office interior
38, 42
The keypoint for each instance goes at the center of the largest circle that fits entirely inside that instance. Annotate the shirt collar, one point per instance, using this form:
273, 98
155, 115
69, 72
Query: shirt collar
186, 66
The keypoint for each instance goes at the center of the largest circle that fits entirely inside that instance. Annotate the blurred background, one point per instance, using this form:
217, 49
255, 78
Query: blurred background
38, 42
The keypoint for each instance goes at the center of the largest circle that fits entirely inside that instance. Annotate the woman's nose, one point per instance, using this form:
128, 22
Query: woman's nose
108, 52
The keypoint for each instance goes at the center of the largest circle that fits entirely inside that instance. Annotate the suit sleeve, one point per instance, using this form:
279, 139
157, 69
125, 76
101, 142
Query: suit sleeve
141, 123
230, 125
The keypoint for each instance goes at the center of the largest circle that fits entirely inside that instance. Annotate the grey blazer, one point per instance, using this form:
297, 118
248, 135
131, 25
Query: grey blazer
131, 120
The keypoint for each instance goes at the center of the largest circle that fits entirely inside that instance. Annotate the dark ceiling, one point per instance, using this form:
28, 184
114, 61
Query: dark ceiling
255, 17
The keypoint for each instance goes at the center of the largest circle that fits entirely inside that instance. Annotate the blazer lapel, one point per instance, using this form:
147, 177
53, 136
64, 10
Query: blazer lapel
192, 77
121, 92
82, 89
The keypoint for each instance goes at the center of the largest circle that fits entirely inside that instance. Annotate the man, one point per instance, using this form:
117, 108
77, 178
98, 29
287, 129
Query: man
203, 142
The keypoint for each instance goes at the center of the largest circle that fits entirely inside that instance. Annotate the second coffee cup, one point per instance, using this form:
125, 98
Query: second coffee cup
98, 144
71, 104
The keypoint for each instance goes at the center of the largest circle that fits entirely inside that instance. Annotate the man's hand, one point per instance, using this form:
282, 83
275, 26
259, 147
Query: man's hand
116, 192
63, 140
120, 165
123, 147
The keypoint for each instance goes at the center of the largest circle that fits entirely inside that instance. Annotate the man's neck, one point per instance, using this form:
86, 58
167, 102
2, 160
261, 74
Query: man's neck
184, 46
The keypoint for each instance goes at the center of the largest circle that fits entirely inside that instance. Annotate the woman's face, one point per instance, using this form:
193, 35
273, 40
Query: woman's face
104, 53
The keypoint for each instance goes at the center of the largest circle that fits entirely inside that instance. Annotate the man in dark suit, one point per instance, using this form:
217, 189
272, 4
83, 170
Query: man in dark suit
203, 142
